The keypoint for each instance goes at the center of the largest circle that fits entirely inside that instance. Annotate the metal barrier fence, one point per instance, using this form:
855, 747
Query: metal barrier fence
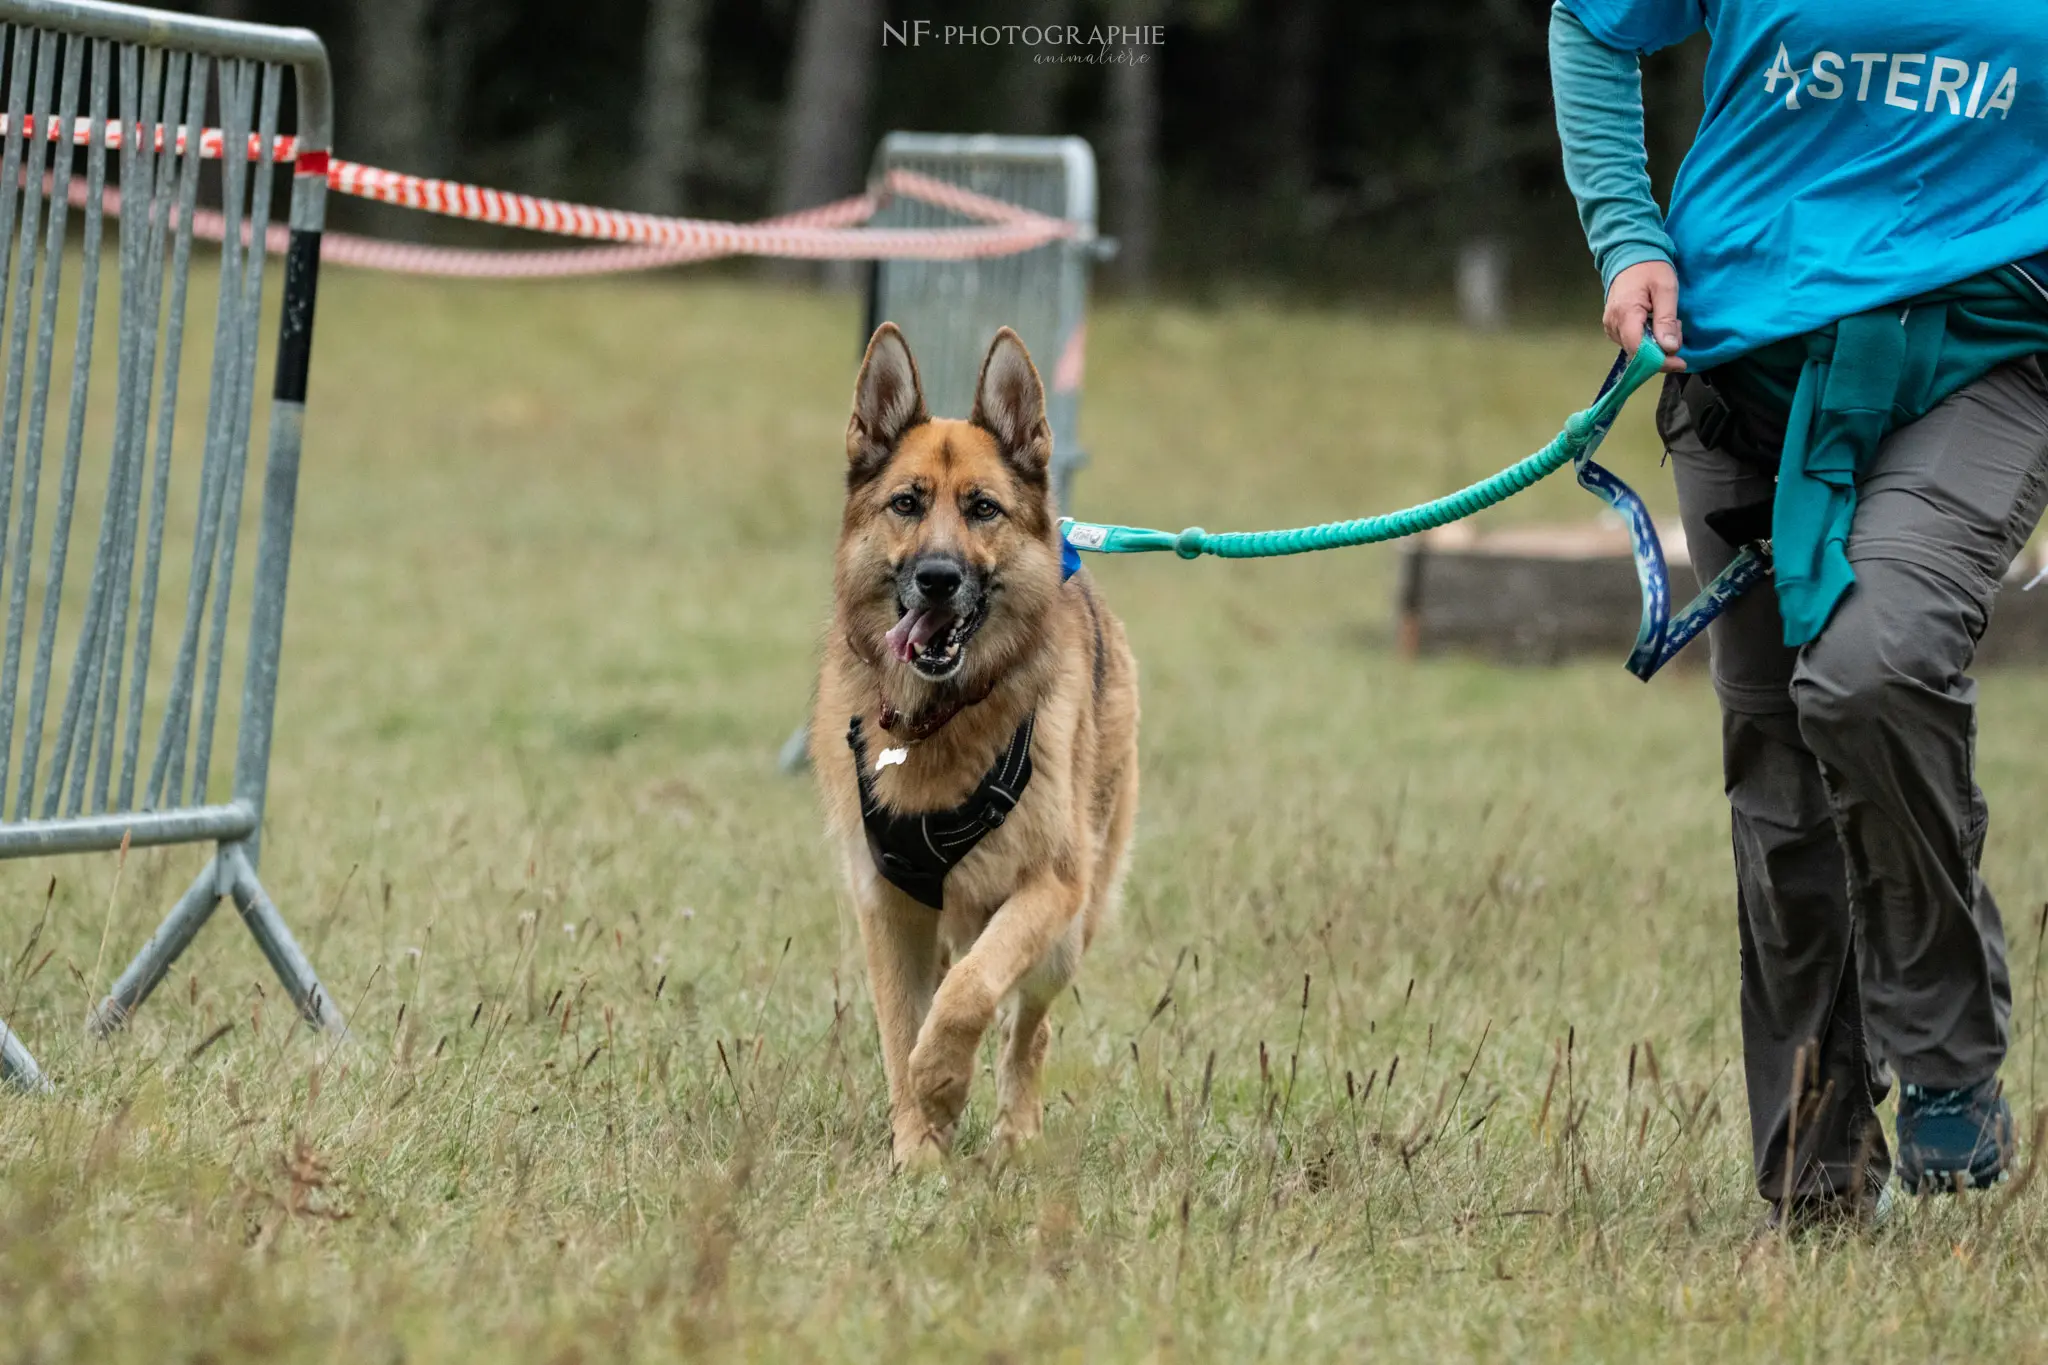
950, 310
115, 745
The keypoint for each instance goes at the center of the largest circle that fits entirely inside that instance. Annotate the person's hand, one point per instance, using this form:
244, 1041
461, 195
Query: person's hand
1645, 294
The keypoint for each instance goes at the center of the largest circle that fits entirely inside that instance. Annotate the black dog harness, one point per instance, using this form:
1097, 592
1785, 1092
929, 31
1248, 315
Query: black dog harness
915, 852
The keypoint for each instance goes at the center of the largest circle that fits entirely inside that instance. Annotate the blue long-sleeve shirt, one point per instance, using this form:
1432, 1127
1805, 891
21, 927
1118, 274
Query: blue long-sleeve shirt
1599, 96
1785, 227
1866, 170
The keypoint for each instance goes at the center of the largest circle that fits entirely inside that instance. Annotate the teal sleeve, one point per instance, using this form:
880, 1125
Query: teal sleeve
1598, 91
1639, 25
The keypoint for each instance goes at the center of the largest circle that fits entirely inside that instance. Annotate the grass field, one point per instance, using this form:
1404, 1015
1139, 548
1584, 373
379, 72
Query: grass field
1416, 1039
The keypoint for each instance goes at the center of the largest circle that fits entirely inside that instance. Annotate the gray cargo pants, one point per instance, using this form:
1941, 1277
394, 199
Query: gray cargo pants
1870, 944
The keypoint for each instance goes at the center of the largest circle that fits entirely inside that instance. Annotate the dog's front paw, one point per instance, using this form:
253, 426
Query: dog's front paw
917, 1150
941, 1069
1018, 1125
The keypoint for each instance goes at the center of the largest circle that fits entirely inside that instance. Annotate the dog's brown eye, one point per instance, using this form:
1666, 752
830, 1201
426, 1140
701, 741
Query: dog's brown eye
904, 505
983, 509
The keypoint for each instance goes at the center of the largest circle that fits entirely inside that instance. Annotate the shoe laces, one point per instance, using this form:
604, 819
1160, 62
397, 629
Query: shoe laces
1936, 1104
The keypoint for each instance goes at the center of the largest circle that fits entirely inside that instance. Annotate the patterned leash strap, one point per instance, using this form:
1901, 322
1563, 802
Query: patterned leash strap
1658, 639
1661, 635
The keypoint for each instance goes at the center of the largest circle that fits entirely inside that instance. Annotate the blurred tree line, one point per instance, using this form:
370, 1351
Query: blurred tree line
1396, 148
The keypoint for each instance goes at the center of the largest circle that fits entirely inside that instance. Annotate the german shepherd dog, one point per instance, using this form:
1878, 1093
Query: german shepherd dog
955, 639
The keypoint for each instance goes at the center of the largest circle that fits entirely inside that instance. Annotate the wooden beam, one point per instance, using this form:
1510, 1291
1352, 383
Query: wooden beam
1539, 595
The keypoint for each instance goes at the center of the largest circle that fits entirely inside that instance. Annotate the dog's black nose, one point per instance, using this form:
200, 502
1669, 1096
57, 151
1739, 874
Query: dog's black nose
938, 579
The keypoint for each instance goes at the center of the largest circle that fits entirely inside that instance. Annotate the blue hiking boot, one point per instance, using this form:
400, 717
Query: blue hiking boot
1953, 1139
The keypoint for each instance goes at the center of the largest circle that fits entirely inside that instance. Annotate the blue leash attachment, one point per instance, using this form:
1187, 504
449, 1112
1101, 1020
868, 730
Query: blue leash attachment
1661, 635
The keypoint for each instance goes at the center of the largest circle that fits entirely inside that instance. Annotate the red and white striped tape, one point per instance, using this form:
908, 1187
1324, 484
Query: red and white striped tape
407, 258
212, 141
1019, 230
643, 241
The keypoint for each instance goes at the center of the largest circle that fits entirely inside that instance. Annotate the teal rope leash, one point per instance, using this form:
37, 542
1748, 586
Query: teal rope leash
1660, 636
1582, 432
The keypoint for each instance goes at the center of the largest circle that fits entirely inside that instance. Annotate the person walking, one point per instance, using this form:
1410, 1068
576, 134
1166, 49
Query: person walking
1851, 288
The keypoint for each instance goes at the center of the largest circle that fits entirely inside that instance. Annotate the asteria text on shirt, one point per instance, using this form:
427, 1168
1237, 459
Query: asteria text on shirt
1904, 80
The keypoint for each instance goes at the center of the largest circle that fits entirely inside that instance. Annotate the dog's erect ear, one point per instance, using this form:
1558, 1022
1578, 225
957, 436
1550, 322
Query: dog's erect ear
888, 400
1009, 404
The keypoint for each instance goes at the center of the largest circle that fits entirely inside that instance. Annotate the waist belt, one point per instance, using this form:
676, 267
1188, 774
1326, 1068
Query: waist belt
915, 852
1726, 421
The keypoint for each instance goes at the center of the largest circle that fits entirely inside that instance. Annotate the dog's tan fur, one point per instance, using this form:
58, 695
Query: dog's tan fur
1023, 906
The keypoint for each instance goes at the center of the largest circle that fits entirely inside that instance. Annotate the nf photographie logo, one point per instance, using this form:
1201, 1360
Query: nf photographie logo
1095, 44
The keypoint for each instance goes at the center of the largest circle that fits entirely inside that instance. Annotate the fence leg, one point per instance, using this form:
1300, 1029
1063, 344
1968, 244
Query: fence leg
1065, 464
277, 943
230, 873
16, 1065
171, 938
796, 751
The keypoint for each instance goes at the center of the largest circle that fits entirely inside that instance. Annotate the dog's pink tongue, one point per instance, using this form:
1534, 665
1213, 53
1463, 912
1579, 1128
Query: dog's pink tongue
909, 635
